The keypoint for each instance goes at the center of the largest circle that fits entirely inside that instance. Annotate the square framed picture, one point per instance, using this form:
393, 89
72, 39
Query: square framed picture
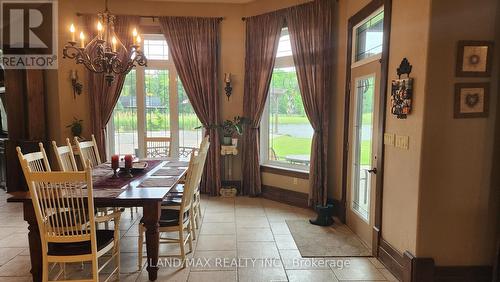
471, 100
474, 58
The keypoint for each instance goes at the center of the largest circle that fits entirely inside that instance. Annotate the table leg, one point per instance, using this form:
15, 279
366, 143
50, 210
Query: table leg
34, 241
151, 220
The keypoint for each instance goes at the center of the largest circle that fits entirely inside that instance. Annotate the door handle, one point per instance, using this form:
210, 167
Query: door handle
373, 170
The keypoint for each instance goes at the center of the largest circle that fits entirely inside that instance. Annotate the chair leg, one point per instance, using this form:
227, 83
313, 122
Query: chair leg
132, 213
198, 216
190, 230
140, 242
95, 269
192, 227
181, 242
45, 271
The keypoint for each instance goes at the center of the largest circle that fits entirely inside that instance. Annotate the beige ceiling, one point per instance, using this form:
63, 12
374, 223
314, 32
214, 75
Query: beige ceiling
205, 1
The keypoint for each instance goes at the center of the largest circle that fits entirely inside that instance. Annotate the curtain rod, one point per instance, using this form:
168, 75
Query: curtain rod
78, 14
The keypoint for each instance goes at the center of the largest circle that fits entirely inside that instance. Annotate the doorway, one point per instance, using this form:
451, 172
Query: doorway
364, 121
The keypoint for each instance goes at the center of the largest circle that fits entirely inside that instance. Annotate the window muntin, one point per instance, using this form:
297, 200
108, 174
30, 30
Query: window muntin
156, 106
286, 133
368, 37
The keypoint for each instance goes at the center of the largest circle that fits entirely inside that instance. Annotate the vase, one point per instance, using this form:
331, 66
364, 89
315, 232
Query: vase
234, 141
226, 140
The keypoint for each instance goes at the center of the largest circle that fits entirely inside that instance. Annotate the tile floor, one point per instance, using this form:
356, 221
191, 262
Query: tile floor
241, 239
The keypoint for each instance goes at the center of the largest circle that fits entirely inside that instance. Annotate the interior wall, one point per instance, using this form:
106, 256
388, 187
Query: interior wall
458, 210
408, 39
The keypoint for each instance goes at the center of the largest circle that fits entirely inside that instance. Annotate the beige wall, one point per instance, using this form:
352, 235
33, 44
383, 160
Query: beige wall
458, 213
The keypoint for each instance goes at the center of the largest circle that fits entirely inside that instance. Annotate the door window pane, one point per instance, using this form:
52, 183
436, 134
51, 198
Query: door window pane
363, 130
189, 134
369, 37
157, 103
155, 49
125, 118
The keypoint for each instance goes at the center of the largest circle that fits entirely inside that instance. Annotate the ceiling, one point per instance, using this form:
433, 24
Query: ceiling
205, 1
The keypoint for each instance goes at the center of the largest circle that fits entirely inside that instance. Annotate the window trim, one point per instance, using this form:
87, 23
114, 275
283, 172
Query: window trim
371, 58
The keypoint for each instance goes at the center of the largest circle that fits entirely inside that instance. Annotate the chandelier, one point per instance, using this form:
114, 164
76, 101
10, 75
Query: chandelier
105, 53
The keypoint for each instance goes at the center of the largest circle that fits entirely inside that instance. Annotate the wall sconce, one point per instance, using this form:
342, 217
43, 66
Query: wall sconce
229, 89
77, 86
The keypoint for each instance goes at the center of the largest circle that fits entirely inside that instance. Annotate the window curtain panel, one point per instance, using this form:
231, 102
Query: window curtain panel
194, 45
103, 97
262, 38
311, 35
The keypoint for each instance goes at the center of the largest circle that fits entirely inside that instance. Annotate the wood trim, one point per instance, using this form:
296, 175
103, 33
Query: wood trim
463, 273
392, 259
285, 196
284, 172
355, 19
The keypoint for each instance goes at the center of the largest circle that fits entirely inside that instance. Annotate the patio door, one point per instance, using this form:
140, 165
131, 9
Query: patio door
363, 125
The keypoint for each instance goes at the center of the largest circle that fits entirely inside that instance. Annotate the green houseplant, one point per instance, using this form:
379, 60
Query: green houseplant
76, 127
231, 129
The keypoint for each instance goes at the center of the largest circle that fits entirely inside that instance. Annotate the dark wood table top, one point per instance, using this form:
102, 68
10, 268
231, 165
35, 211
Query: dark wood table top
125, 193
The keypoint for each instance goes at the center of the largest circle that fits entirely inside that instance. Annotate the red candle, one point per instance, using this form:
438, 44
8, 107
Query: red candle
114, 162
128, 161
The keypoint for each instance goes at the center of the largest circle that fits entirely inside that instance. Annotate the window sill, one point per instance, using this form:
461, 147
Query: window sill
290, 172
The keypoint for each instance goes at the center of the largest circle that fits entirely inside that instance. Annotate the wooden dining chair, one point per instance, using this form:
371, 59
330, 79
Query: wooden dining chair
64, 205
88, 151
36, 161
65, 157
179, 220
158, 147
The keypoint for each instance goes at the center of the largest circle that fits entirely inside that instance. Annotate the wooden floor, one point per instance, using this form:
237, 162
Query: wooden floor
241, 239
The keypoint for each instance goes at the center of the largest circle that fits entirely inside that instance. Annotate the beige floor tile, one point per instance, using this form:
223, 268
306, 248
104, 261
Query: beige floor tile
219, 217
262, 270
293, 260
218, 228
279, 228
311, 275
15, 240
129, 244
19, 266
216, 243
214, 260
376, 263
166, 274
16, 279
258, 250
358, 269
6, 254
252, 222
212, 276
250, 211
255, 235
285, 242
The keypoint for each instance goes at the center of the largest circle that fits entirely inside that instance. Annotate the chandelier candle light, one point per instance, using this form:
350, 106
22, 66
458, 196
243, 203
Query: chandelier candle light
103, 54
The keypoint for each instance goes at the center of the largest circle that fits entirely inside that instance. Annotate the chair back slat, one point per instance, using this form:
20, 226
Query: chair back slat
88, 152
63, 203
65, 157
36, 161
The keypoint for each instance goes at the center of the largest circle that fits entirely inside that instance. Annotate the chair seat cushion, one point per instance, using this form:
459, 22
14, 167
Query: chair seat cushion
104, 238
171, 201
170, 218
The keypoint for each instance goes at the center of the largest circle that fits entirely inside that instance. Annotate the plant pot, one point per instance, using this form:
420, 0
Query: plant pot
324, 217
234, 141
226, 140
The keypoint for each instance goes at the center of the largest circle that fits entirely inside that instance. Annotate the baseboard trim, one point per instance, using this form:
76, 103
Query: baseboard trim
408, 268
285, 196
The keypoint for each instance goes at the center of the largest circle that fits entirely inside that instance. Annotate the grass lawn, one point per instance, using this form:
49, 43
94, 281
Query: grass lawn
288, 145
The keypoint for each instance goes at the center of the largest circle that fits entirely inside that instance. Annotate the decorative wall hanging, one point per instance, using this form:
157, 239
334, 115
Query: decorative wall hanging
474, 58
228, 88
471, 100
402, 91
75, 84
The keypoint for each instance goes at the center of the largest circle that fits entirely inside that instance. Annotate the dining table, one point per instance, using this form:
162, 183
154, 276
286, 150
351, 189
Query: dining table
145, 188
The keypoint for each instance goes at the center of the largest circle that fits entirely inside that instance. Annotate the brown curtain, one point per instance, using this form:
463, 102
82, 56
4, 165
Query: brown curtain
311, 35
262, 38
103, 97
194, 45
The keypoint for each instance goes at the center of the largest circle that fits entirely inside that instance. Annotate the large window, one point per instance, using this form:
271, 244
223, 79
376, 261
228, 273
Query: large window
286, 133
153, 103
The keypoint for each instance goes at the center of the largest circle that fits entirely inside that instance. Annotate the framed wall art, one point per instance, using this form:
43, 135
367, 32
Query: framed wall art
474, 58
402, 91
471, 100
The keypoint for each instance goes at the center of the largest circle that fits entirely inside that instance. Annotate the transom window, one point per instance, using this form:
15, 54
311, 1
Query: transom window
368, 37
153, 103
286, 133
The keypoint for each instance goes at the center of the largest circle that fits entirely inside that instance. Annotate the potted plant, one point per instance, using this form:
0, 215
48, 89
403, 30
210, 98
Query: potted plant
231, 129
76, 127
